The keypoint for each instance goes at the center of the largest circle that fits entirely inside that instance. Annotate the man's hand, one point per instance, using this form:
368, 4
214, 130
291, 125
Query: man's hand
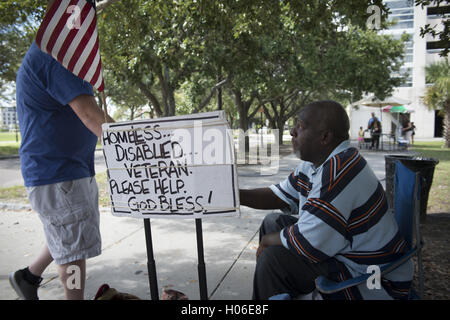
270, 239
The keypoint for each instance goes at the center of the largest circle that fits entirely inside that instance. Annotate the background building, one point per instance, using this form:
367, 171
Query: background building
419, 53
8, 118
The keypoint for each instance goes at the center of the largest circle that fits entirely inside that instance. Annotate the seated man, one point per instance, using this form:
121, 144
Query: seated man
343, 226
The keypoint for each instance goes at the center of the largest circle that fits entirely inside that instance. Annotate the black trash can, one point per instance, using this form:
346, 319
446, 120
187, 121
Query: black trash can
425, 166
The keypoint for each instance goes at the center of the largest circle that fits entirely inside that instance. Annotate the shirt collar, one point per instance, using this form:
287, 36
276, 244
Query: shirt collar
344, 145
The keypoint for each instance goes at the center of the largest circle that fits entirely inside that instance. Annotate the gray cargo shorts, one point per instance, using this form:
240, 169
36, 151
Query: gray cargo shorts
70, 214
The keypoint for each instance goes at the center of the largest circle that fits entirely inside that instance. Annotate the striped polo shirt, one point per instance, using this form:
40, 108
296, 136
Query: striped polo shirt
343, 214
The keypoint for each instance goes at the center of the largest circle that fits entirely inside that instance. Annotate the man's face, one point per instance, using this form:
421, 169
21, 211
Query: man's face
305, 137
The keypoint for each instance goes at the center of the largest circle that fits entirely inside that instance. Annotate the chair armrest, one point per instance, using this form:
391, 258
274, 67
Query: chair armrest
328, 286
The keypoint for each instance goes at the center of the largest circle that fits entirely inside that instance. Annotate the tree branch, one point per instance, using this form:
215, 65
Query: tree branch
103, 4
213, 89
248, 104
150, 96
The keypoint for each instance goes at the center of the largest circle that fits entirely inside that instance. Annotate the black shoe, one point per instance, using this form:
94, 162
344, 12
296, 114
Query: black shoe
25, 289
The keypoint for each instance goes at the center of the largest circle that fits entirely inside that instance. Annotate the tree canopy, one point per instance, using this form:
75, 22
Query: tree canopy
437, 96
186, 56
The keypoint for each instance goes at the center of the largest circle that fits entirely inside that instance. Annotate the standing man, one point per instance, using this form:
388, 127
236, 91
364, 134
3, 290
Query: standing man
374, 126
59, 123
343, 222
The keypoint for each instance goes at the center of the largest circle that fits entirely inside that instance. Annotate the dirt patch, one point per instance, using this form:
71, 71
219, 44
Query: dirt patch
435, 257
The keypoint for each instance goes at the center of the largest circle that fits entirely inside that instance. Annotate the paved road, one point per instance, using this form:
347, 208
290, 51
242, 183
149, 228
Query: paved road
10, 172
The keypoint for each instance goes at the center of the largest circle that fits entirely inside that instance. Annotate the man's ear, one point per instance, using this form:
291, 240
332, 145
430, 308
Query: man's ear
326, 137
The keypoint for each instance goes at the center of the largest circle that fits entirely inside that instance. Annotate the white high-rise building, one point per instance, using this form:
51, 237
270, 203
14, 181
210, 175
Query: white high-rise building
419, 53
8, 118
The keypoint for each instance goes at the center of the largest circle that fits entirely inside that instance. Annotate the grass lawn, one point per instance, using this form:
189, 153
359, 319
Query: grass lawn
9, 148
8, 144
439, 200
16, 194
9, 136
103, 193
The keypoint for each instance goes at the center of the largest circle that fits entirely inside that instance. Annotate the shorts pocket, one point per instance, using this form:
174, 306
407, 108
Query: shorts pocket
46, 199
72, 234
73, 193
66, 186
67, 217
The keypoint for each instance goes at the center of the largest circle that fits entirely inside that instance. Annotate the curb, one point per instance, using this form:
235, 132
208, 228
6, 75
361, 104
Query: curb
13, 156
27, 207
15, 206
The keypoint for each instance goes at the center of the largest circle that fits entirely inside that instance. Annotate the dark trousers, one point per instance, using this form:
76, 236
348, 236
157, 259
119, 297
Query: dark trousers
375, 140
278, 270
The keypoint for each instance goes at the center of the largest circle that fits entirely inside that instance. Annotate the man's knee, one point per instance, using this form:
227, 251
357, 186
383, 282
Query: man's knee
271, 219
270, 256
275, 221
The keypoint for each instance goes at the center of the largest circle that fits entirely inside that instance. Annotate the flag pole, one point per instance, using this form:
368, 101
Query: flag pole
105, 109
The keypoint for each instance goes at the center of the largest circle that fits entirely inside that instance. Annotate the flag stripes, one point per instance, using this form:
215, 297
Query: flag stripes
69, 34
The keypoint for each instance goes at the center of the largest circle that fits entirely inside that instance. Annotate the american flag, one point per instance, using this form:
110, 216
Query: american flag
69, 34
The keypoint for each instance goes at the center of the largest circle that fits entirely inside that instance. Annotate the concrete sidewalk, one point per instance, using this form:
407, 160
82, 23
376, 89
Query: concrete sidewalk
229, 245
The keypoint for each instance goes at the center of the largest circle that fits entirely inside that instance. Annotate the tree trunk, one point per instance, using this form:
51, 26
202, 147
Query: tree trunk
171, 102
163, 78
219, 93
280, 127
243, 124
243, 116
447, 125
168, 92
278, 119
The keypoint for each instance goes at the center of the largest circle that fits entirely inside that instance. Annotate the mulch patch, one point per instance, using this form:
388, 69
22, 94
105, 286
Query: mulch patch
435, 257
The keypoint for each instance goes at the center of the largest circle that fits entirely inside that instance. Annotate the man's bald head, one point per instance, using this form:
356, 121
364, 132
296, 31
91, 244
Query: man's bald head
320, 128
328, 115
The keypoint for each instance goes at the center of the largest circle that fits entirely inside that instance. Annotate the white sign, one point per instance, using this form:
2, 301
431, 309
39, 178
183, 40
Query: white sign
182, 166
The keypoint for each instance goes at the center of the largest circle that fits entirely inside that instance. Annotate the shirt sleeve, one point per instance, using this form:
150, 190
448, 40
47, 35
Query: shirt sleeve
286, 191
320, 232
63, 85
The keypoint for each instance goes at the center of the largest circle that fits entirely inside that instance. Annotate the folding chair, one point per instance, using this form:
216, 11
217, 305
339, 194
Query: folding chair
406, 210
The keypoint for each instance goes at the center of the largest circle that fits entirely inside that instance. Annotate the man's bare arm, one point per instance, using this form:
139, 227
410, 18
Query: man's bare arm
261, 198
90, 114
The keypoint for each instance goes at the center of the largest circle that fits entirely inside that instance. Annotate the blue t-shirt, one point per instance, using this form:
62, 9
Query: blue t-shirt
56, 145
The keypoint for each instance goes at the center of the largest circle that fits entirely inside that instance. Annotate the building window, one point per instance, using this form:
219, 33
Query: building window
438, 12
436, 45
402, 25
400, 4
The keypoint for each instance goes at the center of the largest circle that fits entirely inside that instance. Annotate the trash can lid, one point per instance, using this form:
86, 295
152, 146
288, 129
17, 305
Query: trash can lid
419, 163
413, 160
398, 156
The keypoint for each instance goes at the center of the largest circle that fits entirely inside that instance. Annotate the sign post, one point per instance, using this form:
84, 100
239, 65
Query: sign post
151, 266
201, 261
174, 167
